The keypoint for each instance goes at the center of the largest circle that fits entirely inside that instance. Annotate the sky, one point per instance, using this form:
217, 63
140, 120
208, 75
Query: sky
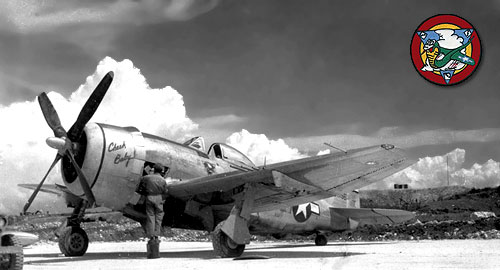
276, 79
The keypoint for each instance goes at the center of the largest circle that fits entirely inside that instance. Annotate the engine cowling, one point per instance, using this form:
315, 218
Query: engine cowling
112, 159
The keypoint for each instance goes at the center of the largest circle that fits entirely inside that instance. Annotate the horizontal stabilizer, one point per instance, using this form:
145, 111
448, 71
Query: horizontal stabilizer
372, 215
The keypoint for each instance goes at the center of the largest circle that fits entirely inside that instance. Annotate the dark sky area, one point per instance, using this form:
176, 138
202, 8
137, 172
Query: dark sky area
289, 68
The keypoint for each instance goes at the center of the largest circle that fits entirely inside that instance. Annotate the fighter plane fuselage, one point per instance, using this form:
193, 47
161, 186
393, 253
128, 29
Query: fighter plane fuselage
114, 158
305, 218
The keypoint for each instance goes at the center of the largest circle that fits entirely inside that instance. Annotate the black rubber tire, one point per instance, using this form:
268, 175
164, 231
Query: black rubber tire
320, 240
13, 261
224, 246
73, 241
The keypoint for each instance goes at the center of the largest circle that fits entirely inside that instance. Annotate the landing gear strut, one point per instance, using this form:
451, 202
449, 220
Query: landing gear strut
73, 240
224, 246
320, 240
231, 235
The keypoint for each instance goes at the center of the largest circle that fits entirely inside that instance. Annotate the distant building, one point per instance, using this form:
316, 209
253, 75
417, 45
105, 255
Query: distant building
400, 186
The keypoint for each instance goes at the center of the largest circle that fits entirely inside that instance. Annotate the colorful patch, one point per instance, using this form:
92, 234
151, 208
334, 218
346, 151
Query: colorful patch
445, 49
303, 212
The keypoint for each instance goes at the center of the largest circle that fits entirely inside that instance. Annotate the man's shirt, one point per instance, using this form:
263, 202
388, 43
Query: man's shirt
152, 184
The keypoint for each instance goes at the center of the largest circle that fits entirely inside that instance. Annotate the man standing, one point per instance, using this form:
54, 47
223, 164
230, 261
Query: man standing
153, 187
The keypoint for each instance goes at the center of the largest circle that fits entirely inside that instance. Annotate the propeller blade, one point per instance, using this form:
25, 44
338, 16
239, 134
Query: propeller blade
50, 114
83, 180
88, 110
35, 192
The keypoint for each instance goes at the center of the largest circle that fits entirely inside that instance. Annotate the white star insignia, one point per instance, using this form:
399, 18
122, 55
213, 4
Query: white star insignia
302, 209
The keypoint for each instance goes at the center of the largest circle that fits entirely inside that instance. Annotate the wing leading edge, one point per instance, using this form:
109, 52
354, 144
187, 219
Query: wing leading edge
299, 181
56, 189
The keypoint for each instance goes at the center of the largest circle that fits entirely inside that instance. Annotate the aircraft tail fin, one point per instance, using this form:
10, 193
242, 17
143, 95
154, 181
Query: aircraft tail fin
362, 216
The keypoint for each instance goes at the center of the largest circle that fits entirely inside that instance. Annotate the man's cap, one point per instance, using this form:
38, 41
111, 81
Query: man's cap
158, 167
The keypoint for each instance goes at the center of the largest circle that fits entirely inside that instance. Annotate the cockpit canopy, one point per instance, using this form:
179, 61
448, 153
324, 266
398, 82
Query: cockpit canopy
197, 143
229, 153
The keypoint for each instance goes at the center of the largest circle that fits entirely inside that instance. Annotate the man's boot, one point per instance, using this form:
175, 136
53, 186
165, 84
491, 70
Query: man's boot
153, 248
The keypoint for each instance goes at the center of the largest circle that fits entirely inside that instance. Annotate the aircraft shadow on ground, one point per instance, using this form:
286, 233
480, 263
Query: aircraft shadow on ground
200, 254
284, 245
92, 256
301, 254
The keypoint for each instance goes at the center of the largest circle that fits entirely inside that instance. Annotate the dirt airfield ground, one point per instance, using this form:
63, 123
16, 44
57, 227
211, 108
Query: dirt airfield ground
443, 254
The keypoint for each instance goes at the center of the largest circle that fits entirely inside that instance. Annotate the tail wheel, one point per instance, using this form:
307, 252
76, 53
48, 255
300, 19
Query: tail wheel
320, 240
224, 246
73, 241
13, 260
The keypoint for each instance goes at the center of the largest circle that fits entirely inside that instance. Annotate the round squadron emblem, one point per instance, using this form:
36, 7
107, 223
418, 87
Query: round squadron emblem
445, 49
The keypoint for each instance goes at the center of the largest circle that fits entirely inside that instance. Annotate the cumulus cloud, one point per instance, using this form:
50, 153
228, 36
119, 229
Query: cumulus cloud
130, 101
448, 39
479, 176
23, 154
440, 171
259, 148
27, 16
323, 152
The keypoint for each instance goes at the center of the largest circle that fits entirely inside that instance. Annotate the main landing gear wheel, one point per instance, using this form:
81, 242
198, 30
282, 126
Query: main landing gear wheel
73, 241
224, 246
11, 260
320, 240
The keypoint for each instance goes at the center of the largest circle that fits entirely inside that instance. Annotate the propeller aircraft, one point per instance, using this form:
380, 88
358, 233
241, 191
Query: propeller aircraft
220, 191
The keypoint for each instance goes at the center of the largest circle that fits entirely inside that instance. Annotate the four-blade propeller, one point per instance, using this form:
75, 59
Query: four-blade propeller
64, 141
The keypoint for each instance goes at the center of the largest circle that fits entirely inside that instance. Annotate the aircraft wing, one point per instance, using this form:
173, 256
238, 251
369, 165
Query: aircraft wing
52, 189
463, 58
299, 181
59, 190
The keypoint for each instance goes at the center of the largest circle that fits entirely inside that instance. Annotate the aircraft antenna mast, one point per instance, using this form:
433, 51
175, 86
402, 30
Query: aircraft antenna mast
327, 144
447, 171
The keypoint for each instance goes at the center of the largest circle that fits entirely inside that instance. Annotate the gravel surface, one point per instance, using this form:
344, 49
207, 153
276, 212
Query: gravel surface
444, 254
